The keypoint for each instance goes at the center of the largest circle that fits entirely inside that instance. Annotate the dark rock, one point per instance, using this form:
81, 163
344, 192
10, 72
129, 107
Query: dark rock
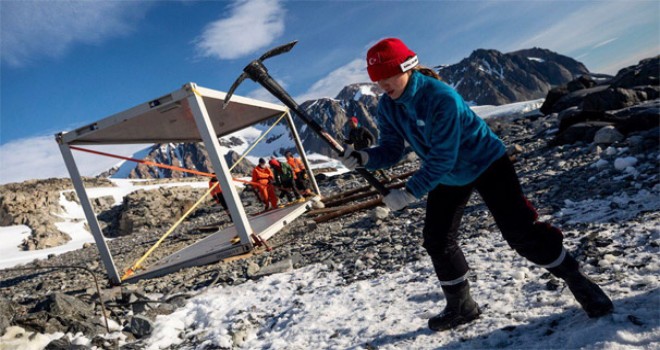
618, 98
140, 326
60, 304
554, 95
59, 344
646, 72
7, 311
278, 267
576, 116
608, 135
582, 82
86, 327
574, 99
639, 120
581, 132
39, 322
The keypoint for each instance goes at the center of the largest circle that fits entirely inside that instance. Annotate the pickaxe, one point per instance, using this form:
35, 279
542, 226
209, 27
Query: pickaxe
258, 73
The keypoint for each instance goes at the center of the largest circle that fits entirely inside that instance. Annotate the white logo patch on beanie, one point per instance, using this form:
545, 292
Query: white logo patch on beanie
409, 64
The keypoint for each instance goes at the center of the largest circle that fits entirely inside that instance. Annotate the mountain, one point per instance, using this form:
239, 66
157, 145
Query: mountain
185, 155
359, 100
489, 77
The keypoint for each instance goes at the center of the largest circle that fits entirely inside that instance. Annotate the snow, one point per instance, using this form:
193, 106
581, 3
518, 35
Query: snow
490, 70
365, 90
73, 223
125, 167
312, 307
455, 86
518, 108
536, 59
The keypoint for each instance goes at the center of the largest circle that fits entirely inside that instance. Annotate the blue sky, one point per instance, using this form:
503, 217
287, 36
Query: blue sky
68, 63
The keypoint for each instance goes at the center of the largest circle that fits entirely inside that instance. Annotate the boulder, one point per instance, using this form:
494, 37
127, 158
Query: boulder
63, 344
140, 326
574, 116
618, 98
608, 135
147, 210
646, 72
60, 304
584, 132
36, 203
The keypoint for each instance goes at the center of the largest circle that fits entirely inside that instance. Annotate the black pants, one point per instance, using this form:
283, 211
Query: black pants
516, 218
220, 200
301, 181
287, 187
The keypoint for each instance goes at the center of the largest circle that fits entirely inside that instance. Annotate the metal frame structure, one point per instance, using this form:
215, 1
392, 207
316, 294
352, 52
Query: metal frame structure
189, 114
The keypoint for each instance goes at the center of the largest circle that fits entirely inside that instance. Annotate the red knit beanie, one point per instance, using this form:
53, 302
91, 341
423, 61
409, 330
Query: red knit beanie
354, 120
389, 57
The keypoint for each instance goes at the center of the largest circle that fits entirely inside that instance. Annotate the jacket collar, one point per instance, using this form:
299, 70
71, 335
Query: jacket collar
411, 88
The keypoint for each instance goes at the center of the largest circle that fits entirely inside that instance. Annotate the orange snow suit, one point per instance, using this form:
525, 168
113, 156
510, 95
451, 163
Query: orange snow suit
265, 176
296, 165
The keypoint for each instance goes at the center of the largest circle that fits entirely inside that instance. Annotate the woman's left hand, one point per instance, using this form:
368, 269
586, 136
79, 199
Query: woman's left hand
398, 199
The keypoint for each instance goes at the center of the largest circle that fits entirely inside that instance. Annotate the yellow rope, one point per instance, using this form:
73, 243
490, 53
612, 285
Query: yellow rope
137, 265
260, 138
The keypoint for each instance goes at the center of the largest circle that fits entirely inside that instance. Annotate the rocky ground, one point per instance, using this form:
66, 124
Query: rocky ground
59, 294
360, 245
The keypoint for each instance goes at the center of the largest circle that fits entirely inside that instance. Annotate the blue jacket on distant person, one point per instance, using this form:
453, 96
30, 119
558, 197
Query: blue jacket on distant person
454, 144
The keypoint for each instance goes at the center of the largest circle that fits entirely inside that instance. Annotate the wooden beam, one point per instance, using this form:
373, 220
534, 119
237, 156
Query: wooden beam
364, 188
350, 209
357, 196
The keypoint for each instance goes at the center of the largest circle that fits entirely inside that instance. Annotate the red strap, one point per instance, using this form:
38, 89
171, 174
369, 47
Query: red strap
159, 165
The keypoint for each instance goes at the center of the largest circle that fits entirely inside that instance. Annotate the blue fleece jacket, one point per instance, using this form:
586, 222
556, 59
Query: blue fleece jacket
454, 144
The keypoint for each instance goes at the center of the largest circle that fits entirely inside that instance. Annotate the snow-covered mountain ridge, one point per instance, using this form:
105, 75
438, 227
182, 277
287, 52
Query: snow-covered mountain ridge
486, 77
489, 77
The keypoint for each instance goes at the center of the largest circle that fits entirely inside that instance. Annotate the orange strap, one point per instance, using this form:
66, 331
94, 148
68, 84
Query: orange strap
160, 165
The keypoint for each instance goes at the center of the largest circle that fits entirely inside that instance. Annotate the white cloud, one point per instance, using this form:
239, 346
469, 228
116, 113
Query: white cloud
353, 72
50, 28
591, 26
40, 158
633, 59
603, 43
251, 25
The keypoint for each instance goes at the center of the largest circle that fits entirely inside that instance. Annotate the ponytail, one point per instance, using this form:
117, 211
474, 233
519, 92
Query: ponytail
427, 71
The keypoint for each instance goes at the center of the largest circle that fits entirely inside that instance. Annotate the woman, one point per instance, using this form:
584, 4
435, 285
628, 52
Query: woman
459, 153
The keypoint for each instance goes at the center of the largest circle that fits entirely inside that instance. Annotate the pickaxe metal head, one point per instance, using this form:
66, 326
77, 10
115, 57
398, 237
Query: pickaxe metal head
270, 53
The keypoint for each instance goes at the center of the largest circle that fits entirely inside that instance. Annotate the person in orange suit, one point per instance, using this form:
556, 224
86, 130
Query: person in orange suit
300, 173
264, 176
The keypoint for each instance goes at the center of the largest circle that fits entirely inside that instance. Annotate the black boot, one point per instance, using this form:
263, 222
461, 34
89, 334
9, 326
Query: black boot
460, 308
593, 300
